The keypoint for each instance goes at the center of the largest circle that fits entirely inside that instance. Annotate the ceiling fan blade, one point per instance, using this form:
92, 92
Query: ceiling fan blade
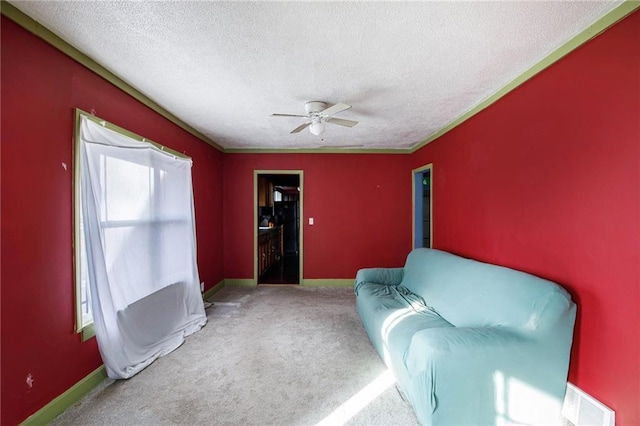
301, 127
335, 109
341, 122
287, 115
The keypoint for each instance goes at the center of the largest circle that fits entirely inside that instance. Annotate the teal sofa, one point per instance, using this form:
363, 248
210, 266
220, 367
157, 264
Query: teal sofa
470, 343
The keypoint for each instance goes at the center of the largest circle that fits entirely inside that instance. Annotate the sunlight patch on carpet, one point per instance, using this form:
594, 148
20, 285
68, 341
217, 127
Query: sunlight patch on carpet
359, 401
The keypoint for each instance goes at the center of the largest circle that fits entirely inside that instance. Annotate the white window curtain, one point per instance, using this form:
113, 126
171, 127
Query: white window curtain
138, 217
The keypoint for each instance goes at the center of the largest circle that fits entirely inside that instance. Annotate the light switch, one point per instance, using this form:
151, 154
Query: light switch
310, 221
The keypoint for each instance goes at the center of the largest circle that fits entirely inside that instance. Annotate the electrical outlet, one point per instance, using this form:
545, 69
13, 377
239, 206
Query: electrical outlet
202, 287
310, 221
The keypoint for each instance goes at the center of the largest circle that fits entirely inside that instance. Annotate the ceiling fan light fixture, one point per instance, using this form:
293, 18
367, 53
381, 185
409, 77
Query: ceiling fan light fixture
317, 128
318, 114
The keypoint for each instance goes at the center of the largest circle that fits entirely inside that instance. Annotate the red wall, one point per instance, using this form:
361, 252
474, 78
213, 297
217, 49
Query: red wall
547, 180
361, 205
40, 88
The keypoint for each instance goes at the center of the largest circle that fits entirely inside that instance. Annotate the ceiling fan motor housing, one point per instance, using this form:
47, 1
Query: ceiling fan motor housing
315, 107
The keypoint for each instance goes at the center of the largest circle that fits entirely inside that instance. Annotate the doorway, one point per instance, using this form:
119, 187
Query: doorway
278, 196
422, 183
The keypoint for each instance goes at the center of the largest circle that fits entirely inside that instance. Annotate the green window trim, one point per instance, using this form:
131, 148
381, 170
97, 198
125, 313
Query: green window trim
88, 332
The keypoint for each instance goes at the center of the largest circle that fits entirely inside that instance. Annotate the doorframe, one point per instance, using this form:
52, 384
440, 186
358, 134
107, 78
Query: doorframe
416, 210
300, 174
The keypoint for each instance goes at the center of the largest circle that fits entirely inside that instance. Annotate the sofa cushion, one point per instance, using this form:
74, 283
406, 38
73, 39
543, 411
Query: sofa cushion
468, 293
392, 315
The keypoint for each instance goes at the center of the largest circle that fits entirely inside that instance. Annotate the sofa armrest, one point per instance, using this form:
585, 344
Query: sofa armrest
462, 342
385, 276
496, 367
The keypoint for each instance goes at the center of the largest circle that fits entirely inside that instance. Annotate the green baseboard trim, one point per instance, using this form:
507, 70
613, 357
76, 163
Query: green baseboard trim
53, 409
213, 290
315, 282
328, 282
247, 282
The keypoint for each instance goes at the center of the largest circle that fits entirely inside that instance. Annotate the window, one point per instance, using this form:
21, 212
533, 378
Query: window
136, 219
85, 318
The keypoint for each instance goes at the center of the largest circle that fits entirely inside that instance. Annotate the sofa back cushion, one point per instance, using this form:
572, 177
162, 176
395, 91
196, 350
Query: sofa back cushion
468, 293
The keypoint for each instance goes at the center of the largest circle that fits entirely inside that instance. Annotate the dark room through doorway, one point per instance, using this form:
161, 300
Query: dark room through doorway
278, 251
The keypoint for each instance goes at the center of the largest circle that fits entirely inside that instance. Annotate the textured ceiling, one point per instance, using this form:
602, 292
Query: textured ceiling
407, 68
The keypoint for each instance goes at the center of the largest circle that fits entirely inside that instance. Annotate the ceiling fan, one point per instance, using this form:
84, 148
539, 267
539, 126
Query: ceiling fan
318, 114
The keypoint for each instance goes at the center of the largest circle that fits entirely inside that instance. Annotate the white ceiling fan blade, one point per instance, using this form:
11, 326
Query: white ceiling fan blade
335, 109
301, 127
287, 115
341, 122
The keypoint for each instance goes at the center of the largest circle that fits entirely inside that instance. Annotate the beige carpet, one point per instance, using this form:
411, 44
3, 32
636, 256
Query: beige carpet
268, 356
